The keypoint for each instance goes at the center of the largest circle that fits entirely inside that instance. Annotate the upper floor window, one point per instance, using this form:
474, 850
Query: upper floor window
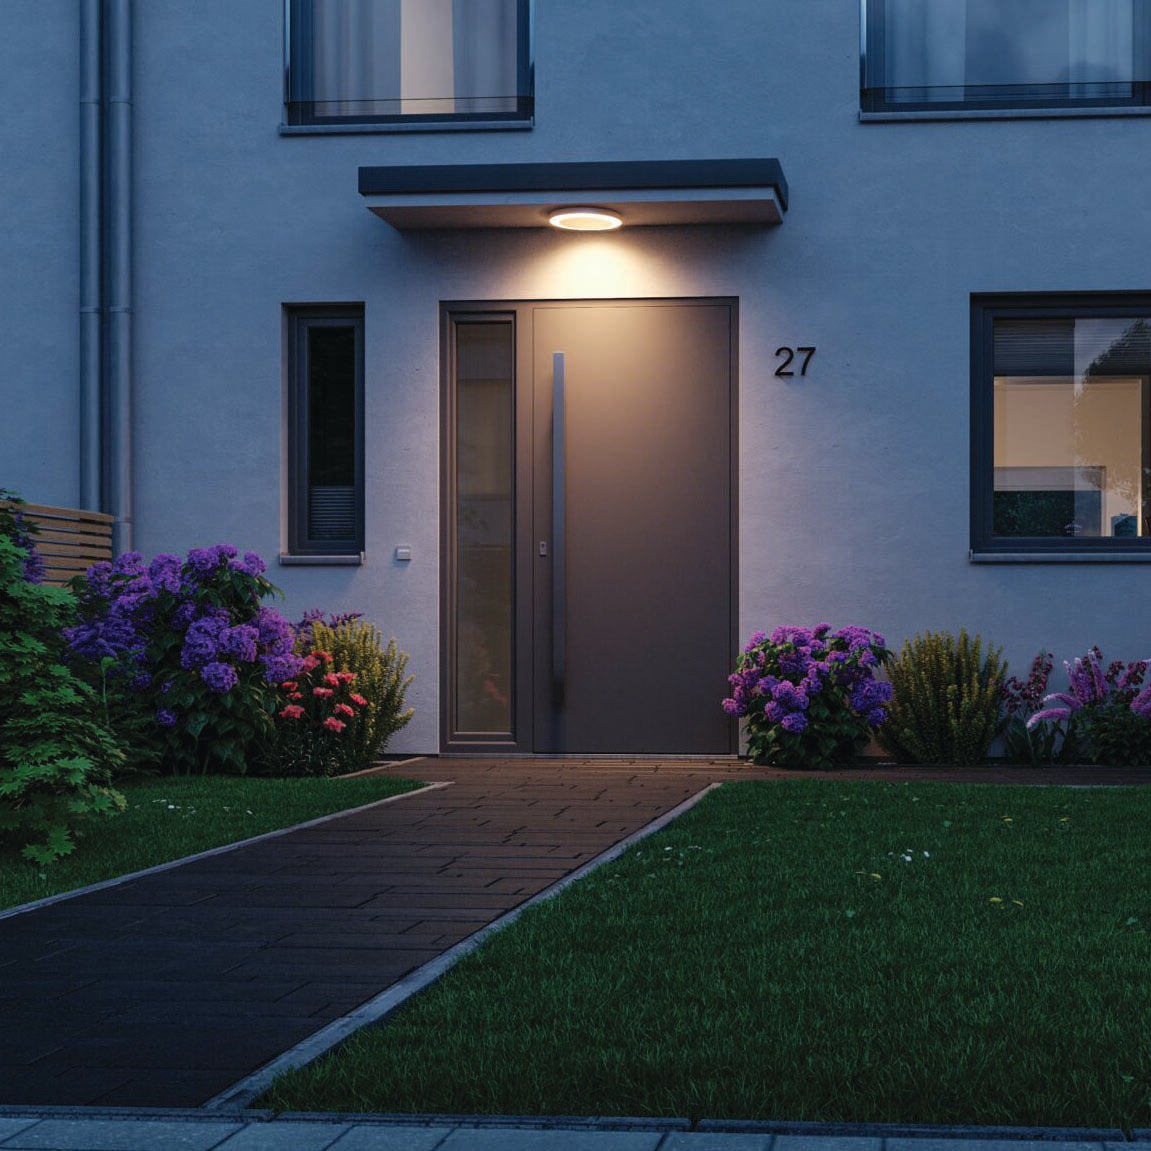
949, 55
408, 61
1061, 439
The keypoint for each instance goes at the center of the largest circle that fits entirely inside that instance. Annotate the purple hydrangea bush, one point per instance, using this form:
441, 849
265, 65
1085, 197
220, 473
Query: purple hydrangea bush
809, 694
188, 659
1110, 706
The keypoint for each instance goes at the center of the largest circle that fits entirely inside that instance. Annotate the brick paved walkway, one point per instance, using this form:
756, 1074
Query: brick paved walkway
167, 989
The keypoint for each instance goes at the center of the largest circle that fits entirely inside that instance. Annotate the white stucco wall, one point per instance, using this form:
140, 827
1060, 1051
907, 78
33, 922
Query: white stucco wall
854, 482
39, 274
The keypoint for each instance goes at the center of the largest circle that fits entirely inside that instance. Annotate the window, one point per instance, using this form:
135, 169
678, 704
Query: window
948, 55
381, 62
1061, 443
326, 431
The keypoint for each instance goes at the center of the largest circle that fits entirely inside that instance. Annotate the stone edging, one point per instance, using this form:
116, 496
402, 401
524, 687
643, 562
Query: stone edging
116, 880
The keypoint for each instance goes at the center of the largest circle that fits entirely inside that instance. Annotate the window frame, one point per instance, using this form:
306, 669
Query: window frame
986, 308
301, 320
298, 67
873, 101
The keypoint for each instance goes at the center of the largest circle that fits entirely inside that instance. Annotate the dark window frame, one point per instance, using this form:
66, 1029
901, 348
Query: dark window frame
1031, 97
985, 310
299, 108
301, 320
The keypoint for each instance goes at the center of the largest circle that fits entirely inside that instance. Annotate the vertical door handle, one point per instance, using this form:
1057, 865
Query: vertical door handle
559, 552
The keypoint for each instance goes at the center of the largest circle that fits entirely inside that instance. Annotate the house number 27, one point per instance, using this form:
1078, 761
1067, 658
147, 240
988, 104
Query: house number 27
787, 355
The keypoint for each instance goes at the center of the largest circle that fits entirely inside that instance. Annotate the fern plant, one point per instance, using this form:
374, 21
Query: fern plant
379, 669
946, 700
56, 758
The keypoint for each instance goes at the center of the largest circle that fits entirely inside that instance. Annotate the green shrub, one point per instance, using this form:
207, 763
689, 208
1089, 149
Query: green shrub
1118, 736
187, 660
56, 758
357, 647
809, 694
945, 701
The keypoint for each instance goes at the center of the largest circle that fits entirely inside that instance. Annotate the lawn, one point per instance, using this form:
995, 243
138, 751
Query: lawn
808, 950
176, 816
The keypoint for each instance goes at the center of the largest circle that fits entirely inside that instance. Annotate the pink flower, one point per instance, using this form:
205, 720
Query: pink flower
289, 685
310, 663
332, 680
322, 656
292, 711
345, 676
358, 699
343, 709
333, 724
322, 692
296, 695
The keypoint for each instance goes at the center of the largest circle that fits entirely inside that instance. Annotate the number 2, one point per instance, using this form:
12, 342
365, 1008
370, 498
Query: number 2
784, 369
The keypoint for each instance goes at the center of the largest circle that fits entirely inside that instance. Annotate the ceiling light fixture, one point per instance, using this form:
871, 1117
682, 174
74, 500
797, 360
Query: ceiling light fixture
584, 219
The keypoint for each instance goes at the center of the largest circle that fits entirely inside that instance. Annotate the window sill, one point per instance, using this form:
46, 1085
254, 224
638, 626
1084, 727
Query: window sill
1040, 557
354, 560
1002, 114
378, 129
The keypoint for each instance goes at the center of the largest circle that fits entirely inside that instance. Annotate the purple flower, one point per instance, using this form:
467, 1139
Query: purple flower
733, 708
220, 677
164, 572
278, 668
140, 681
202, 640
251, 564
165, 717
794, 722
202, 560
239, 642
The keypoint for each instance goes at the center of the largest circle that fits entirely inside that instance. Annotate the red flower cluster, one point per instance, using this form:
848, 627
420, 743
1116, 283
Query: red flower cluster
320, 706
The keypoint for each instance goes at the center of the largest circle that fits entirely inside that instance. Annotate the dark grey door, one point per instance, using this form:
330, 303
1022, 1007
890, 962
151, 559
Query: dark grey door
591, 582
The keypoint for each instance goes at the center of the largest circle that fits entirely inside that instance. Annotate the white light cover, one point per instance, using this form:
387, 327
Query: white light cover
584, 219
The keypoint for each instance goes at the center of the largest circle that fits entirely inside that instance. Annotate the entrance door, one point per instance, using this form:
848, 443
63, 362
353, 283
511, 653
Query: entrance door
591, 532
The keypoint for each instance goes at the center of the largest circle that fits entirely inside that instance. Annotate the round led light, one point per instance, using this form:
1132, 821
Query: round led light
584, 219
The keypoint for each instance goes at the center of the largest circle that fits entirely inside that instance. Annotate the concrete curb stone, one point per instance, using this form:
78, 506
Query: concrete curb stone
913, 1131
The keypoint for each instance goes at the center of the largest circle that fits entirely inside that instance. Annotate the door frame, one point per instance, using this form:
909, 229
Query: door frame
520, 741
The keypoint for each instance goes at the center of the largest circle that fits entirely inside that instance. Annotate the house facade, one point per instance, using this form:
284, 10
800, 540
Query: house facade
860, 330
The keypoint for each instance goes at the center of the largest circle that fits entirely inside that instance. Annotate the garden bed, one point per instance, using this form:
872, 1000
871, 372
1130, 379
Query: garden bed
174, 817
920, 952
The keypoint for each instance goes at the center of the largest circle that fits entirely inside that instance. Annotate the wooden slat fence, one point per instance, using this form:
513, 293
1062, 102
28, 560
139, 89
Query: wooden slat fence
69, 539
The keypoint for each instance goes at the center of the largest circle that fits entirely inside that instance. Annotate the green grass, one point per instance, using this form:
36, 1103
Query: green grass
771, 954
173, 817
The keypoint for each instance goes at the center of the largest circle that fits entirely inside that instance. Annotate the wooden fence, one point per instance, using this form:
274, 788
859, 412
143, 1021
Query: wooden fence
69, 539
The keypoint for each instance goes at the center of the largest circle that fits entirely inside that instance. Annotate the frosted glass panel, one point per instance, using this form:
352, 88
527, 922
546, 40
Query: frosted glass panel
485, 471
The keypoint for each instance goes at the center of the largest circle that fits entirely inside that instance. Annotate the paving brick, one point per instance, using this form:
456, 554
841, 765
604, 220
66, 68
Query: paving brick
125, 1135
713, 1141
11, 1127
505, 1139
285, 1136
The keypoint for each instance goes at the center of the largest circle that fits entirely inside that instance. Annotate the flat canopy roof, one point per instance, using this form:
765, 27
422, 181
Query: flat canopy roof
644, 193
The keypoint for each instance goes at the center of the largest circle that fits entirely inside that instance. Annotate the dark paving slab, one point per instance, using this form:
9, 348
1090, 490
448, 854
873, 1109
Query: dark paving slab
165, 990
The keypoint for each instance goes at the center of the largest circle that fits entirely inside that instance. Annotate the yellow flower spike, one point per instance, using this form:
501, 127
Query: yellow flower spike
1065, 819
1018, 902
995, 899
1006, 819
876, 875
